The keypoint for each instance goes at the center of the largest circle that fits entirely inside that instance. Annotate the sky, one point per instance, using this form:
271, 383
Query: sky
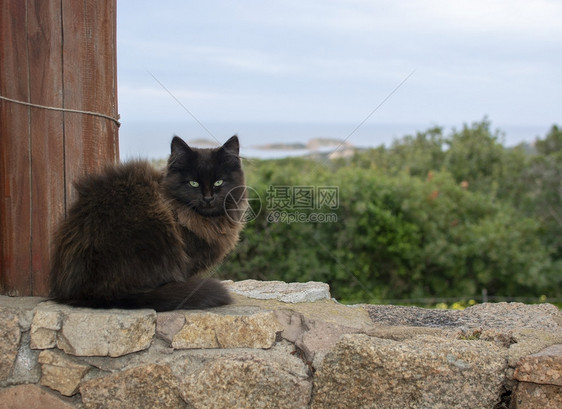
213, 68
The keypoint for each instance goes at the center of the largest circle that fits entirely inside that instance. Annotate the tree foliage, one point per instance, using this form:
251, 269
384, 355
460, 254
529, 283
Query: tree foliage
431, 215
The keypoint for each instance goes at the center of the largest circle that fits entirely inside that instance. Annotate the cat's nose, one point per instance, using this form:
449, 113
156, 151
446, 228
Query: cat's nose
208, 199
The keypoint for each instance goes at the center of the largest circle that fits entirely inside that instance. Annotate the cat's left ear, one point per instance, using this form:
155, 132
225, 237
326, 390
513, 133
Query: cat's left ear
232, 145
179, 146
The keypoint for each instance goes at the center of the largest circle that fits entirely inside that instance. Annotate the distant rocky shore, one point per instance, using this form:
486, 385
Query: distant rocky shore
333, 148
312, 144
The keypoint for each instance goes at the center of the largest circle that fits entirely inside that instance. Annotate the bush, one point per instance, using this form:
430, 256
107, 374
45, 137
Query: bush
397, 235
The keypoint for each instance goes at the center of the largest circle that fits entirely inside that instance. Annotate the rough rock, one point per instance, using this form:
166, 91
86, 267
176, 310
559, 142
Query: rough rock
283, 353
544, 367
423, 372
88, 332
540, 380
313, 337
61, 372
505, 316
228, 327
145, 387
22, 307
391, 315
169, 324
527, 342
534, 396
106, 333
26, 369
44, 327
525, 329
9, 342
323, 310
268, 353
244, 382
281, 291
314, 327
31, 397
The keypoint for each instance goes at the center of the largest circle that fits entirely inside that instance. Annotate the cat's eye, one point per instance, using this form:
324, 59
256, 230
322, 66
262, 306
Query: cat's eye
193, 183
218, 183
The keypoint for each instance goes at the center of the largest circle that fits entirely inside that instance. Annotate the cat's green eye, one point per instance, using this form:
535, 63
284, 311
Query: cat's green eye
218, 183
193, 183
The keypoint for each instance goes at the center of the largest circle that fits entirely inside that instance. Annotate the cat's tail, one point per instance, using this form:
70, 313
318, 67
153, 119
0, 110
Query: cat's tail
194, 293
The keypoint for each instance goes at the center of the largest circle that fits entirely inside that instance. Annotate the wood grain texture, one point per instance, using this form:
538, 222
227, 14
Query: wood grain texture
15, 206
47, 136
58, 53
89, 86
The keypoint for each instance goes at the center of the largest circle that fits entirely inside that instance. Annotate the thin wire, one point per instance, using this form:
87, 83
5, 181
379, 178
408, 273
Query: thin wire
337, 261
184, 107
76, 111
374, 110
321, 245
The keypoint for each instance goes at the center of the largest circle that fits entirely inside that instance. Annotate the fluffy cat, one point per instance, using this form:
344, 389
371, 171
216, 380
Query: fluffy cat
137, 238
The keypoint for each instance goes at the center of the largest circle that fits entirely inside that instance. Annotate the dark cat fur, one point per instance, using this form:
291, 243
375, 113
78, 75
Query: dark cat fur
137, 238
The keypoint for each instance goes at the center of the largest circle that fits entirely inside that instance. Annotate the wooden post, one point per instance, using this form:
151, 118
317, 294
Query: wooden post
60, 54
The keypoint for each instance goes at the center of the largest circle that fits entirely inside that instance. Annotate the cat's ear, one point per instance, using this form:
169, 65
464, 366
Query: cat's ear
180, 147
232, 145
181, 154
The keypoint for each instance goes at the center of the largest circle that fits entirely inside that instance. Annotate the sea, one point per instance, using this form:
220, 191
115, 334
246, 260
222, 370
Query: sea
151, 140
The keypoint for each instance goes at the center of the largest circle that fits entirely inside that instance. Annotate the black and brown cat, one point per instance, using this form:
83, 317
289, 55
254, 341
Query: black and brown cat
138, 238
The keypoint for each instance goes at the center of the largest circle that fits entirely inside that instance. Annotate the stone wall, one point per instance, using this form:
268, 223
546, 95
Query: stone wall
280, 346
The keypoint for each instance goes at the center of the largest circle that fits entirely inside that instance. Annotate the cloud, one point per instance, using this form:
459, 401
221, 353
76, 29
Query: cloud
536, 17
334, 59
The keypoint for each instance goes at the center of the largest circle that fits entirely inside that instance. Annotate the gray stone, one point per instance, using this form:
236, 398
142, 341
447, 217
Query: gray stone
524, 329
543, 317
61, 372
267, 353
281, 291
313, 337
228, 327
9, 341
169, 324
544, 367
22, 307
535, 396
528, 341
323, 310
283, 353
44, 327
392, 315
26, 368
145, 387
87, 332
505, 316
244, 382
314, 327
423, 372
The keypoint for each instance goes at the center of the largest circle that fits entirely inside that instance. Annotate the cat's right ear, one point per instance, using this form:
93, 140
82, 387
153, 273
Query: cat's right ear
181, 153
180, 147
